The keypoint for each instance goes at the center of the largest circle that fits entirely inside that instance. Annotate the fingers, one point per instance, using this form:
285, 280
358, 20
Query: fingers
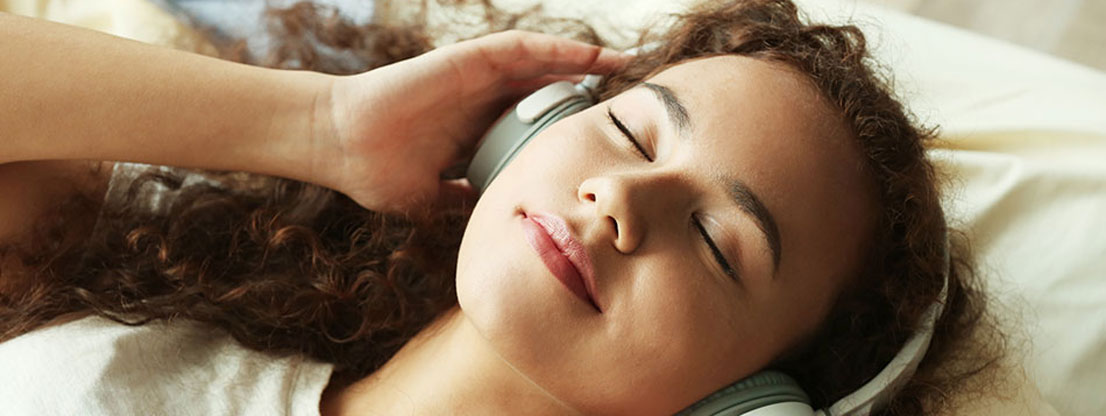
608, 61
519, 88
522, 55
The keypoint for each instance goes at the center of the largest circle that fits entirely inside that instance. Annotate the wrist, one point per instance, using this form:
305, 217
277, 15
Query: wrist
302, 142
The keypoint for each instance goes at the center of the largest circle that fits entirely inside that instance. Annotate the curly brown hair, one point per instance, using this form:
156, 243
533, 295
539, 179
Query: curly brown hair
288, 267
904, 269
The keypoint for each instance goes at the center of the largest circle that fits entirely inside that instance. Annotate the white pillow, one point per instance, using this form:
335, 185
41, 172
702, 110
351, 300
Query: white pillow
1025, 144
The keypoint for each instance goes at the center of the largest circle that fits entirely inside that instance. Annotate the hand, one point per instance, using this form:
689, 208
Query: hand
395, 129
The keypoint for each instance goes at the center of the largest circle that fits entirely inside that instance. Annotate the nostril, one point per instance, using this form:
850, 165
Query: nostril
590, 197
614, 224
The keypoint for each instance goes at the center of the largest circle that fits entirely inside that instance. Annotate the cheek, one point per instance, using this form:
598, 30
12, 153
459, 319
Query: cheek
499, 280
670, 340
515, 303
678, 313
563, 150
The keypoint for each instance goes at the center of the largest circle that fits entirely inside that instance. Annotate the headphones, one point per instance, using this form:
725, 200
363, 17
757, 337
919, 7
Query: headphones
528, 118
767, 393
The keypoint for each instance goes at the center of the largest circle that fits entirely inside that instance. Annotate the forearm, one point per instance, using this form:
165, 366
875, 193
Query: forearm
70, 93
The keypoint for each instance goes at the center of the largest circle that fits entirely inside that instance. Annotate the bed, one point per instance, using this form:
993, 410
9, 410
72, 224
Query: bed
1023, 148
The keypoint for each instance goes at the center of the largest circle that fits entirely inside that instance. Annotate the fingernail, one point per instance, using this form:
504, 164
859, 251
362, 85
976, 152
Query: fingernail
608, 54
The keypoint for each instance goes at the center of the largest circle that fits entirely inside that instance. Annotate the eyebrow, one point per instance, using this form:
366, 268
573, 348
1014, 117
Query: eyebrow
741, 194
677, 113
748, 201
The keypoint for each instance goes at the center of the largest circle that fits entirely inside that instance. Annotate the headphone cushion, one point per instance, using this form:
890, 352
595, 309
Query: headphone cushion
510, 134
759, 390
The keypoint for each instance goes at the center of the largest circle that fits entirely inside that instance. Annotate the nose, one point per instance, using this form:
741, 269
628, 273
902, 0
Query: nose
625, 203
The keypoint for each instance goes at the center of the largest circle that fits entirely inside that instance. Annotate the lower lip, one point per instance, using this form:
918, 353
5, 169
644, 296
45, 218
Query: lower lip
556, 262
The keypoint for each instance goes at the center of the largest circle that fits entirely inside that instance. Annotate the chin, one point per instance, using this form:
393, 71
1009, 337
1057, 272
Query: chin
487, 285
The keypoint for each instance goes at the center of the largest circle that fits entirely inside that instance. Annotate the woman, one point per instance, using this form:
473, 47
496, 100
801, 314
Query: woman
747, 196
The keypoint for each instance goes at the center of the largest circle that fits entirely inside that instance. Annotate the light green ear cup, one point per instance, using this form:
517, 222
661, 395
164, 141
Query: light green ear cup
503, 142
756, 391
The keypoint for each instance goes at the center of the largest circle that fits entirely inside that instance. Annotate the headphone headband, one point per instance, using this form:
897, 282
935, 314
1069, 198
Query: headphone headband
879, 389
734, 399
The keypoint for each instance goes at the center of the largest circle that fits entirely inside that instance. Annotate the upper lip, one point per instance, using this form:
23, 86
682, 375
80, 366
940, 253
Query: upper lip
576, 253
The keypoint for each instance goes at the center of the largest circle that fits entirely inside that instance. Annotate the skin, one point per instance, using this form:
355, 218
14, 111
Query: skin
109, 99
674, 327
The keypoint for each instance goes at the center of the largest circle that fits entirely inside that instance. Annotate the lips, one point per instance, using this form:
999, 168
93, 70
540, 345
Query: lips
562, 254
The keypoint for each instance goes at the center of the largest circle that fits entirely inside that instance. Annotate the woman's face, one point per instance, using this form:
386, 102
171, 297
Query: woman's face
741, 150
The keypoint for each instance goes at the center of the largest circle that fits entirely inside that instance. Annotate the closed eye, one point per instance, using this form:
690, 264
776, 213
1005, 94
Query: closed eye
718, 256
721, 259
626, 133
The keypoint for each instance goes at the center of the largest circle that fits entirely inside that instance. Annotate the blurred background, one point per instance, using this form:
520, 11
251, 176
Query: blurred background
1071, 29
1074, 30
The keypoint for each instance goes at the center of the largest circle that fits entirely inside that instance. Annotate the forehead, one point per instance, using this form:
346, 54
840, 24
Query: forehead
764, 95
765, 124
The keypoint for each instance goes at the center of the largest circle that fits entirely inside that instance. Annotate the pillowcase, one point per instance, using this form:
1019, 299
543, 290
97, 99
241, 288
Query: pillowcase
1024, 150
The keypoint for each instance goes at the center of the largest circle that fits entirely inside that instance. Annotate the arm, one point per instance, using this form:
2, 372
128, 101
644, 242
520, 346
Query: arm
382, 137
70, 93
